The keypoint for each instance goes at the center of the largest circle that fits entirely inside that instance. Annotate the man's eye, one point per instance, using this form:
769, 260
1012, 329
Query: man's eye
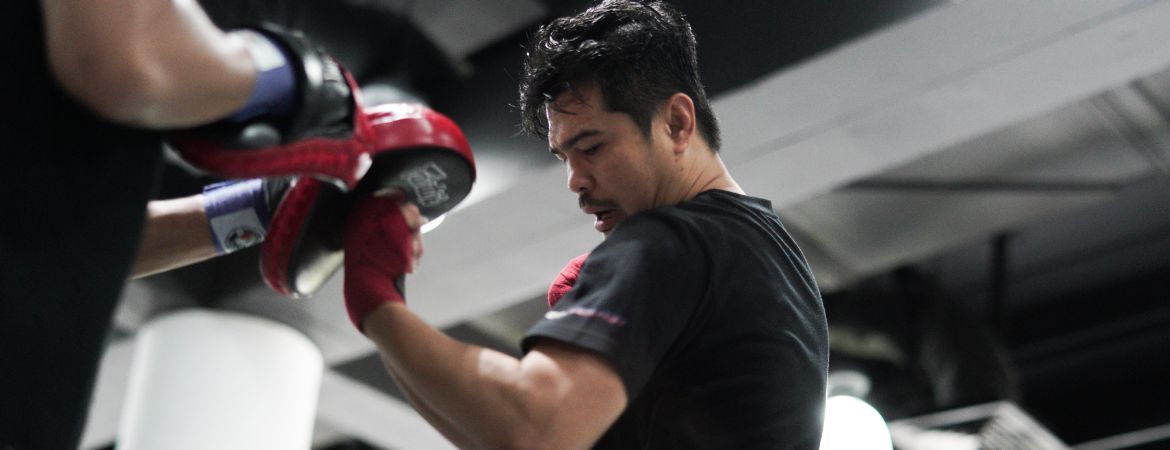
591, 150
559, 157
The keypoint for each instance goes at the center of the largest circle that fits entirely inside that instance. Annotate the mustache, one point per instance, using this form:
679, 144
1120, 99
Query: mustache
585, 201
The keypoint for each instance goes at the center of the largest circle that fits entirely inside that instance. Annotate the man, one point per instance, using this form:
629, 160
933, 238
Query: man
100, 80
695, 324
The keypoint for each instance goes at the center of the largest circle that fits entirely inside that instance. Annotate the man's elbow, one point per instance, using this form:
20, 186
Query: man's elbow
124, 89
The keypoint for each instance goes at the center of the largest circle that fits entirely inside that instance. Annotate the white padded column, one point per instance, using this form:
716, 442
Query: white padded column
205, 379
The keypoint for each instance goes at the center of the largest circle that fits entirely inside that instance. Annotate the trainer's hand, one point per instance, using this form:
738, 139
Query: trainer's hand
322, 102
383, 243
565, 280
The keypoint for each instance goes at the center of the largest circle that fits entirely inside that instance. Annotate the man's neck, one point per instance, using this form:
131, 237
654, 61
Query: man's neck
709, 174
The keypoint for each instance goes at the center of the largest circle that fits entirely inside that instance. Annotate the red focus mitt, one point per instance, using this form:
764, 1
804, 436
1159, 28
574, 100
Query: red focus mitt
565, 280
419, 152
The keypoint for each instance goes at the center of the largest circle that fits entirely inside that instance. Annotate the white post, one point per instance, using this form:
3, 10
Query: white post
217, 380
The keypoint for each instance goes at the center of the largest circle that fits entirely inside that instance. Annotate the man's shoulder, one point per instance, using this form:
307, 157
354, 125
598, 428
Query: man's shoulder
715, 210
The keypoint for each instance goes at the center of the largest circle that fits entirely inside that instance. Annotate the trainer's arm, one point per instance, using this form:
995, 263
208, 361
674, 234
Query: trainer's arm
557, 396
149, 63
175, 235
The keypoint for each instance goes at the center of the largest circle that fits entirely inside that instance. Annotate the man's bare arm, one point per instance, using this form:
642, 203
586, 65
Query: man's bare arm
175, 235
149, 63
440, 423
557, 396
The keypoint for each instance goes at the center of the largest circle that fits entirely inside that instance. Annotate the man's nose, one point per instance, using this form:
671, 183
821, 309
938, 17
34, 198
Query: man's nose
579, 178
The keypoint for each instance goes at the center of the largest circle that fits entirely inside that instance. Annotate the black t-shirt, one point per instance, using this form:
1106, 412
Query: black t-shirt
73, 193
710, 315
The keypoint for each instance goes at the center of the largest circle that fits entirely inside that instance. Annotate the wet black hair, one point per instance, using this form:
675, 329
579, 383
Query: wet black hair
637, 53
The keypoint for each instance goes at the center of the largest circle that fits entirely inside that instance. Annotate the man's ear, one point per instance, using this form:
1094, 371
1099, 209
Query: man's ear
680, 120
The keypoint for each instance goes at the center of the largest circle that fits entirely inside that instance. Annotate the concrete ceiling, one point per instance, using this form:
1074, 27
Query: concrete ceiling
913, 142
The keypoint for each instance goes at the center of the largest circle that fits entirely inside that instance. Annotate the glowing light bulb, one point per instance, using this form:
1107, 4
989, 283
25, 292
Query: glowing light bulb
852, 424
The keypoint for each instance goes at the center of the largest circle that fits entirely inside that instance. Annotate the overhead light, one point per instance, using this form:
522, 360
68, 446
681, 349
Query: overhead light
850, 422
853, 424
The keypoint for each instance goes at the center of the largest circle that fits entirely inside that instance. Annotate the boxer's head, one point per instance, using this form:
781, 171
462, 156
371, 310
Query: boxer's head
613, 167
638, 55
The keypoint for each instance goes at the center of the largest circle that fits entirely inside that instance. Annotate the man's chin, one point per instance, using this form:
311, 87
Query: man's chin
609, 228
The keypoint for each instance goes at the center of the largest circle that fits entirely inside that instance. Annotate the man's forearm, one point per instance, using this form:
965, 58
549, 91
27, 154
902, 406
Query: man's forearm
175, 235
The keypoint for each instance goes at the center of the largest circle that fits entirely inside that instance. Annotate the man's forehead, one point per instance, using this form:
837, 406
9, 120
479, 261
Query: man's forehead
575, 97
565, 115
567, 104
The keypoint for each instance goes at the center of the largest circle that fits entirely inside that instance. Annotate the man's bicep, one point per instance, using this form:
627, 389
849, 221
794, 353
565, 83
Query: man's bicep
586, 394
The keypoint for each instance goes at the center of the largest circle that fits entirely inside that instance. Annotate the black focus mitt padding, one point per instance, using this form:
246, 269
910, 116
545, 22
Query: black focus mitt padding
310, 140
326, 103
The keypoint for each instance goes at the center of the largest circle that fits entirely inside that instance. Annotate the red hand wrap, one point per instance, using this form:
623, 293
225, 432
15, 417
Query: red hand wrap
565, 280
378, 253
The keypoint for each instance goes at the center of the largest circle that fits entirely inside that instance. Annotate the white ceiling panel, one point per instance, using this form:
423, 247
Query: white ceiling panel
1074, 143
460, 27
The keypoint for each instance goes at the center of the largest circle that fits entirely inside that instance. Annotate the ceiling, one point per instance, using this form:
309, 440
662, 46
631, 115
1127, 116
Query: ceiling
981, 188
